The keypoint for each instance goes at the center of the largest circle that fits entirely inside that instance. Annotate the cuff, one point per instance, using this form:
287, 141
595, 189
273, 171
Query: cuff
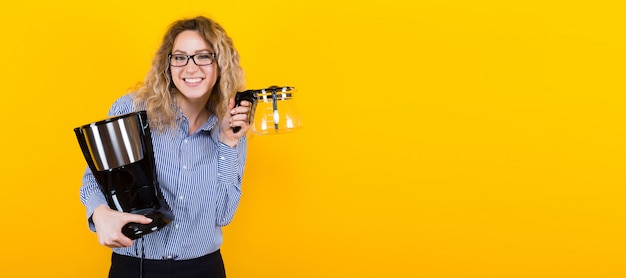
227, 167
94, 201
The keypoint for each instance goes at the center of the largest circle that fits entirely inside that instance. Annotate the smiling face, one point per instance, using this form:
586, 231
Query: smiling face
194, 82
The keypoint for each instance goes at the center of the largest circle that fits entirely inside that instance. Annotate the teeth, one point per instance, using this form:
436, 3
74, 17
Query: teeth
193, 80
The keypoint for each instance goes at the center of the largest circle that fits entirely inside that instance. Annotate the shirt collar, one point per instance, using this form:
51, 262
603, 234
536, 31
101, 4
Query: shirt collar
207, 126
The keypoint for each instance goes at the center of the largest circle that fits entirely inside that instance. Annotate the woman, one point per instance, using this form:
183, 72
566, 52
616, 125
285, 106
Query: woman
188, 95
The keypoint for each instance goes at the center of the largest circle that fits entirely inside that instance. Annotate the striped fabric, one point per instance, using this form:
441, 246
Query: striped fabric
201, 180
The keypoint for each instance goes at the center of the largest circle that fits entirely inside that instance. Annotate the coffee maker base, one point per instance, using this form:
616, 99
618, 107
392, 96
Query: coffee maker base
136, 230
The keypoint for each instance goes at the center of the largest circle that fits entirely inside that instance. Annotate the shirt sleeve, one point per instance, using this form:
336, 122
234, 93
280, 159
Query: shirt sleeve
91, 196
230, 172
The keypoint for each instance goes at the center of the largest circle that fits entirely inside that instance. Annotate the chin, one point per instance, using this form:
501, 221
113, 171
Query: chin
195, 94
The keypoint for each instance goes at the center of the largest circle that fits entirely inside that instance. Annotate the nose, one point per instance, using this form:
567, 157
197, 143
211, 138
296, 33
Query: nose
191, 66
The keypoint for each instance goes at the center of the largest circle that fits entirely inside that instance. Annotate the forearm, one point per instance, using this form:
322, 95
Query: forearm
230, 172
91, 196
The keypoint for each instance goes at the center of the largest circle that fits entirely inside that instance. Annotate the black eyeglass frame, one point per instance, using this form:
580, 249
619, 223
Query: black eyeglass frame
190, 57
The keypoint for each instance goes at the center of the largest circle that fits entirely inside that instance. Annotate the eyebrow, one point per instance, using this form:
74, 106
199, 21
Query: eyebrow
197, 51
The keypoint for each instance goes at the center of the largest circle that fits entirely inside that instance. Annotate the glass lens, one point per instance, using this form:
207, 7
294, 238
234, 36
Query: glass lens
203, 59
178, 60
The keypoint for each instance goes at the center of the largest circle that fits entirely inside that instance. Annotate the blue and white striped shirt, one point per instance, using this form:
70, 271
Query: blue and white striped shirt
201, 180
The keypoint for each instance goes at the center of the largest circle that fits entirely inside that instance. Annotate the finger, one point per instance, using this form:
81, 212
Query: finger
241, 123
240, 117
119, 240
138, 218
239, 111
245, 103
115, 242
114, 245
125, 242
242, 109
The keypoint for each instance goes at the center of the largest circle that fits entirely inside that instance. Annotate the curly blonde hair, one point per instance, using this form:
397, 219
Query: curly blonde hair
157, 93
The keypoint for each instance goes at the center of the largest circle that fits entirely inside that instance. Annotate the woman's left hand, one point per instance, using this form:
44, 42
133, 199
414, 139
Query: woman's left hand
234, 117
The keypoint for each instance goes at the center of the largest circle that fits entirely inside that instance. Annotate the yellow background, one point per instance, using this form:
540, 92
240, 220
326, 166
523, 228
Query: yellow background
453, 139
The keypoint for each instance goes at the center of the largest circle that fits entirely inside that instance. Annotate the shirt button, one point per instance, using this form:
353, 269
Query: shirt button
176, 226
219, 174
222, 157
169, 257
186, 141
184, 166
181, 197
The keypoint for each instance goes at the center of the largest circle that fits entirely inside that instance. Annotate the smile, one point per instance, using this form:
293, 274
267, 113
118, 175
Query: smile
192, 80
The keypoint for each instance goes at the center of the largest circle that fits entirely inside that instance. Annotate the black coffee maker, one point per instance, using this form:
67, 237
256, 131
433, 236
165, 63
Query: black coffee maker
119, 153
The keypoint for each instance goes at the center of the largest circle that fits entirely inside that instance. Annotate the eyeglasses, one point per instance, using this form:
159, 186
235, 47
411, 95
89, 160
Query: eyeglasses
200, 59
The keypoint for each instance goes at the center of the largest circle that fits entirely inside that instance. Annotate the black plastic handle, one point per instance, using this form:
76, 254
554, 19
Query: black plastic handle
249, 95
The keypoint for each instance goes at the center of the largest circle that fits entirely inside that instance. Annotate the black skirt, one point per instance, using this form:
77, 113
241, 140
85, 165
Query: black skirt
208, 266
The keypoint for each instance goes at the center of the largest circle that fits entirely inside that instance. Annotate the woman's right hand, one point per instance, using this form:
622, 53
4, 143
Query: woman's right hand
109, 225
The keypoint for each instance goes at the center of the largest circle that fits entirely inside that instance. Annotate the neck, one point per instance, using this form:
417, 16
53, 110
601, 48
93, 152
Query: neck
196, 113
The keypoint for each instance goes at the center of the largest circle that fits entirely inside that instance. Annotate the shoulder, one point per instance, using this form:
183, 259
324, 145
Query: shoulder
123, 105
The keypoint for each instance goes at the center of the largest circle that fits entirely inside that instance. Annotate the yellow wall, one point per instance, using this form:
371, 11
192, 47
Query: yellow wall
457, 139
